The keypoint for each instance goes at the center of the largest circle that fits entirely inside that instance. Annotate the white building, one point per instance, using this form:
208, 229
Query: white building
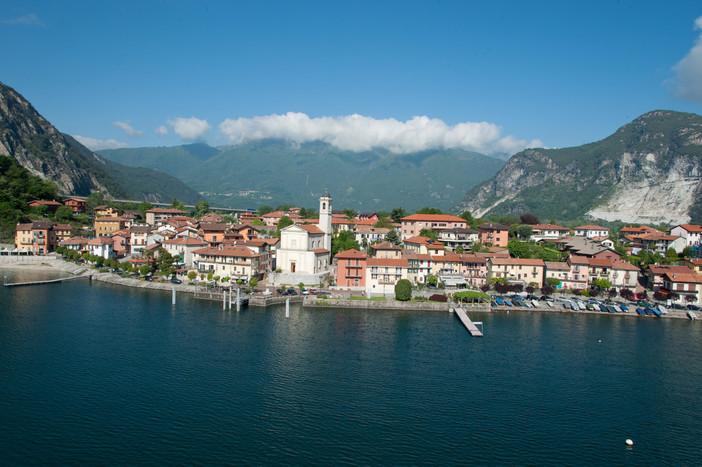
306, 248
692, 234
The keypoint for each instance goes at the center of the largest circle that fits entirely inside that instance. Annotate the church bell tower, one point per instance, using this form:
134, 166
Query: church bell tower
325, 218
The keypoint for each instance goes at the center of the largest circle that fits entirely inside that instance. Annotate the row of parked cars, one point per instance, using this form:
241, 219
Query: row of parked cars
291, 291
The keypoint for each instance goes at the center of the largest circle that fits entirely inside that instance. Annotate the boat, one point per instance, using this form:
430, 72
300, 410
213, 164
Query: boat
507, 301
640, 311
595, 306
499, 301
656, 312
662, 309
536, 303
691, 314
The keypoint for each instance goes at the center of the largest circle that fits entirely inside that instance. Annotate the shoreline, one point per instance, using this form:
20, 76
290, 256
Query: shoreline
48, 263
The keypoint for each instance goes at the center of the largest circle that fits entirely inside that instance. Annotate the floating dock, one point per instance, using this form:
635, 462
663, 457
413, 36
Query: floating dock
50, 281
472, 328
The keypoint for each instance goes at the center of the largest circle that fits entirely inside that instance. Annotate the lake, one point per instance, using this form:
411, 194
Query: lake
98, 374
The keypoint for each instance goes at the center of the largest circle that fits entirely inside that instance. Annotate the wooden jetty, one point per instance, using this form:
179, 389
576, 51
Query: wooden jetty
470, 326
50, 281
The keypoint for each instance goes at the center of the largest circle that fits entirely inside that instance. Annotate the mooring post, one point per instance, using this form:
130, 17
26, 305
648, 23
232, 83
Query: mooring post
230, 298
238, 300
224, 301
287, 307
173, 299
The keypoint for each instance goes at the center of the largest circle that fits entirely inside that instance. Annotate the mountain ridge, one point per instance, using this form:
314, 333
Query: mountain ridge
646, 171
30, 139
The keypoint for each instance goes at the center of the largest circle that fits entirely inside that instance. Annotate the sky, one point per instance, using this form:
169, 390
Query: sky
493, 77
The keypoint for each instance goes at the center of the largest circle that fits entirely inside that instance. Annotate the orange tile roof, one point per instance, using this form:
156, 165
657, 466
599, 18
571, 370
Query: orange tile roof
690, 278
691, 227
351, 254
434, 218
517, 261
387, 262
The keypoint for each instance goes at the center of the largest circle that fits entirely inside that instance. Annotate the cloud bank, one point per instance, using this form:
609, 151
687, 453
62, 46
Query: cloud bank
161, 130
190, 128
688, 71
128, 129
358, 133
97, 144
27, 20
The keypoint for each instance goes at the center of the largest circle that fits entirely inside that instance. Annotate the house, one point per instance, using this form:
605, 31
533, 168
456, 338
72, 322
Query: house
106, 211
351, 269
656, 272
184, 247
341, 224
683, 288
272, 218
418, 244
121, 242
108, 225
101, 246
246, 231
548, 232
365, 216
78, 244
213, 233
690, 233
584, 246
227, 261
694, 263
264, 248
76, 204
51, 206
63, 231
637, 231
37, 237
365, 235
493, 234
620, 274
386, 250
590, 231
306, 249
159, 215
458, 237
418, 266
474, 269
413, 225
445, 265
660, 243
517, 269
383, 273
139, 236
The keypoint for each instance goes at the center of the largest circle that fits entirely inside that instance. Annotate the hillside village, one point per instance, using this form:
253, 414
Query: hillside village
254, 250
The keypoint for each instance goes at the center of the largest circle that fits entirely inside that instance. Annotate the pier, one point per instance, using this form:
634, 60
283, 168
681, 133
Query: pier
470, 326
50, 281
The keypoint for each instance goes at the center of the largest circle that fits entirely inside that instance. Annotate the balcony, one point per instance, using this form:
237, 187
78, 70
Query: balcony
354, 266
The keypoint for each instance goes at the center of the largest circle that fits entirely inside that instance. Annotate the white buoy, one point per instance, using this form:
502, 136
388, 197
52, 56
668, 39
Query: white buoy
238, 300
629, 442
287, 307
173, 299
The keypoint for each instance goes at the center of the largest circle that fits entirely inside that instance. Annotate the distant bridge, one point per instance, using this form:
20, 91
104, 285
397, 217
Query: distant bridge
166, 205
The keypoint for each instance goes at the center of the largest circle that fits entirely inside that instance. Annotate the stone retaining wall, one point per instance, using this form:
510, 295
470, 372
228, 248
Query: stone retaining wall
317, 302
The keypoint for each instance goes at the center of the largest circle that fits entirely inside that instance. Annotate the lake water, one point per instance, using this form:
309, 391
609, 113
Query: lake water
97, 374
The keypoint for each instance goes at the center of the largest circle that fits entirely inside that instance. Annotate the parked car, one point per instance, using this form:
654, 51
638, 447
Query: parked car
291, 292
175, 280
305, 292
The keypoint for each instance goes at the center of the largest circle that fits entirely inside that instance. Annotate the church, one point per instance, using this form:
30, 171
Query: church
305, 250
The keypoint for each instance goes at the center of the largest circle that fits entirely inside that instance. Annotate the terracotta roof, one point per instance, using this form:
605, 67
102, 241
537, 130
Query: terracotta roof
434, 218
492, 227
166, 211
337, 220
691, 227
311, 228
100, 241
110, 219
62, 227
469, 258
601, 262
690, 278
46, 203
549, 227
387, 262
418, 240
351, 254
665, 268
385, 246
320, 251
575, 259
553, 265
75, 241
212, 227
185, 241
624, 265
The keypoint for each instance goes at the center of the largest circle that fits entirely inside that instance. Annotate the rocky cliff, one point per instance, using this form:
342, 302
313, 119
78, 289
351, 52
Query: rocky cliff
647, 171
38, 146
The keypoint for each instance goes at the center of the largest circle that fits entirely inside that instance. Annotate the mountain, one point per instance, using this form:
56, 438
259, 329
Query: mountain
38, 146
273, 172
649, 170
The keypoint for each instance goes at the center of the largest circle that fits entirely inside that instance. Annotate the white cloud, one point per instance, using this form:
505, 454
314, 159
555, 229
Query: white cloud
97, 144
358, 133
190, 128
128, 129
161, 130
688, 71
27, 20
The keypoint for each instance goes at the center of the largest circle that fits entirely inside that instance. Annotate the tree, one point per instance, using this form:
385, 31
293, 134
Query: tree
602, 284
144, 269
392, 237
529, 219
284, 221
201, 208
530, 289
95, 199
192, 275
429, 233
626, 294
350, 214
265, 209
547, 290
403, 290
523, 231
384, 223
64, 213
175, 204
553, 281
459, 250
485, 287
428, 210
518, 249
432, 281
397, 214
468, 217
346, 240
253, 282
690, 298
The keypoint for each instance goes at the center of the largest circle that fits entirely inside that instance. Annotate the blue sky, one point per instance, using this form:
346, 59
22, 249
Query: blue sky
487, 76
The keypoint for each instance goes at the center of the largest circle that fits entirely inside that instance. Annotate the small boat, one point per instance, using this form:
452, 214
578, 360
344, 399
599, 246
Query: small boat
595, 307
691, 314
499, 301
624, 308
662, 309
507, 301
536, 303
640, 311
656, 312
616, 308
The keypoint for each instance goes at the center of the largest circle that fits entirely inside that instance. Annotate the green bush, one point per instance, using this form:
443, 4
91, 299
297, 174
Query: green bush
403, 290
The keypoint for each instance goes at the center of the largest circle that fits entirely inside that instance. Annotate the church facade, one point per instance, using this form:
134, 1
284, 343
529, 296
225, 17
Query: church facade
306, 249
